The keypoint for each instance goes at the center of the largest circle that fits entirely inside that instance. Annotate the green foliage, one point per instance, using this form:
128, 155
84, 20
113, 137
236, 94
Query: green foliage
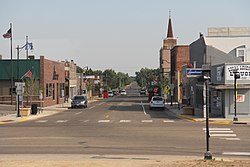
145, 76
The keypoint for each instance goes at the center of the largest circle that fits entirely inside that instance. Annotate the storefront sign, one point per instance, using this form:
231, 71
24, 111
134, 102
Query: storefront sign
194, 72
243, 70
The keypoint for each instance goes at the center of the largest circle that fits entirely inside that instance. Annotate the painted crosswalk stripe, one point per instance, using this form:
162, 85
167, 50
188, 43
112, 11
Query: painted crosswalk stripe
223, 135
103, 121
165, 121
237, 153
147, 121
217, 129
61, 121
231, 139
42, 121
84, 121
125, 120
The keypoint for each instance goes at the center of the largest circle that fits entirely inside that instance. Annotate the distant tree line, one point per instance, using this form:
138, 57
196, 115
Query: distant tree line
111, 79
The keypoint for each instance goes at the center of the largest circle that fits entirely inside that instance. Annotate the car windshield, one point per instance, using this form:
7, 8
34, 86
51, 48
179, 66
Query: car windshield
79, 98
157, 99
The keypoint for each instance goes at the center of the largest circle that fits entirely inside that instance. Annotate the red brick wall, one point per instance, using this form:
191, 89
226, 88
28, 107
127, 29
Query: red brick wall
47, 68
179, 57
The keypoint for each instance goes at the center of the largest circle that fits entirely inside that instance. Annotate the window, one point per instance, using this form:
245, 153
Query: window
53, 92
62, 93
241, 53
47, 90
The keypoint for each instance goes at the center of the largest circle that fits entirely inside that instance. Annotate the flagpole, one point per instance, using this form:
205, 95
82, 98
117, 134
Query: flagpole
11, 89
27, 52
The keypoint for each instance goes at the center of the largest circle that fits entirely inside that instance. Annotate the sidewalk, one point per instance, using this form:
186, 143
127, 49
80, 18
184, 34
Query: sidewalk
9, 115
174, 109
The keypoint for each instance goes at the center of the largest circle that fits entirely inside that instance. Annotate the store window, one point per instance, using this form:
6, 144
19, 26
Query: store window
241, 52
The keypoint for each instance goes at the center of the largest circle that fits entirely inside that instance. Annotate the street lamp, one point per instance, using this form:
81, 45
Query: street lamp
86, 68
206, 76
236, 76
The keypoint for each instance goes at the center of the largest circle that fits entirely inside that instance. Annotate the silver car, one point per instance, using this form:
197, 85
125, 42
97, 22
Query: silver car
157, 102
79, 101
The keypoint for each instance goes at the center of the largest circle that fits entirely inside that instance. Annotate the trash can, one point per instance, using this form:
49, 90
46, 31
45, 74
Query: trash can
34, 109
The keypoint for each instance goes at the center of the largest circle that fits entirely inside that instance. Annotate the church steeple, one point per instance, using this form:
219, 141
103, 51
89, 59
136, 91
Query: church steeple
170, 30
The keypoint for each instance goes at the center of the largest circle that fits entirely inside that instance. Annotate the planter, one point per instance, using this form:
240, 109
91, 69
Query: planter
188, 110
24, 111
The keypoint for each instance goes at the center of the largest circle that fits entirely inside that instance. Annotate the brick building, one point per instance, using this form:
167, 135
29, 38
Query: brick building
168, 43
179, 57
47, 78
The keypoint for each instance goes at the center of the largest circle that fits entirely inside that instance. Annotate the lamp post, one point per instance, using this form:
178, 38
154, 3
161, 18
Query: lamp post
208, 154
86, 68
236, 76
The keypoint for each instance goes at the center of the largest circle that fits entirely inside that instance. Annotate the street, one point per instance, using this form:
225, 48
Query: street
122, 125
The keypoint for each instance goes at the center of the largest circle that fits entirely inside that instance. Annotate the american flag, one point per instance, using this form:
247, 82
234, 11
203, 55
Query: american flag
28, 74
7, 34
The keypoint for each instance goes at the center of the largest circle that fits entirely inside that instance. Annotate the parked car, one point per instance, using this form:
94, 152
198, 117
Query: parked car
110, 94
157, 102
79, 101
123, 92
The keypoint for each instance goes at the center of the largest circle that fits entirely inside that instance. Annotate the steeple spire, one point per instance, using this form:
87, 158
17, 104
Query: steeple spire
170, 31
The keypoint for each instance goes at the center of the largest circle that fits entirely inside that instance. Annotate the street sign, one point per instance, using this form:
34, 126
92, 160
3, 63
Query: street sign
194, 72
167, 89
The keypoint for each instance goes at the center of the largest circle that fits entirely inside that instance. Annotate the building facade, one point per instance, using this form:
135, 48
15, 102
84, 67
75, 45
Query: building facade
179, 57
222, 45
44, 85
165, 52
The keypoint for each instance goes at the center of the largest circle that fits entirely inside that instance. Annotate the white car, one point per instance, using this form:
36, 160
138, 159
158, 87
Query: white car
157, 102
123, 92
110, 94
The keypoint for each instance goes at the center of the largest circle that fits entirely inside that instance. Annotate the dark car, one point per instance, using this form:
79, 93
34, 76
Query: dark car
79, 101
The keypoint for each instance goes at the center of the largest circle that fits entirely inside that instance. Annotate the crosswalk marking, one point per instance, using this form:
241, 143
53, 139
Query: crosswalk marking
237, 153
109, 121
222, 132
221, 135
165, 121
103, 121
84, 121
42, 121
125, 120
62, 121
146, 120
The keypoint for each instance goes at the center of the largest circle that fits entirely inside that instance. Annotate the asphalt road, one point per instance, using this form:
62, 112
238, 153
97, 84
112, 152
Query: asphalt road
122, 125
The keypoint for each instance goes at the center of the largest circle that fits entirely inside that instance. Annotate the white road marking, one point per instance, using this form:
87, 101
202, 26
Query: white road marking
237, 153
84, 121
42, 121
103, 121
78, 113
230, 138
101, 103
92, 107
221, 135
217, 129
165, 121
143, 108
147, 121
125, 120
61, 121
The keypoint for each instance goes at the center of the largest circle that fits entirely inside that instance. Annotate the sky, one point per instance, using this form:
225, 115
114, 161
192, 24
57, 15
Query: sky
123, 35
